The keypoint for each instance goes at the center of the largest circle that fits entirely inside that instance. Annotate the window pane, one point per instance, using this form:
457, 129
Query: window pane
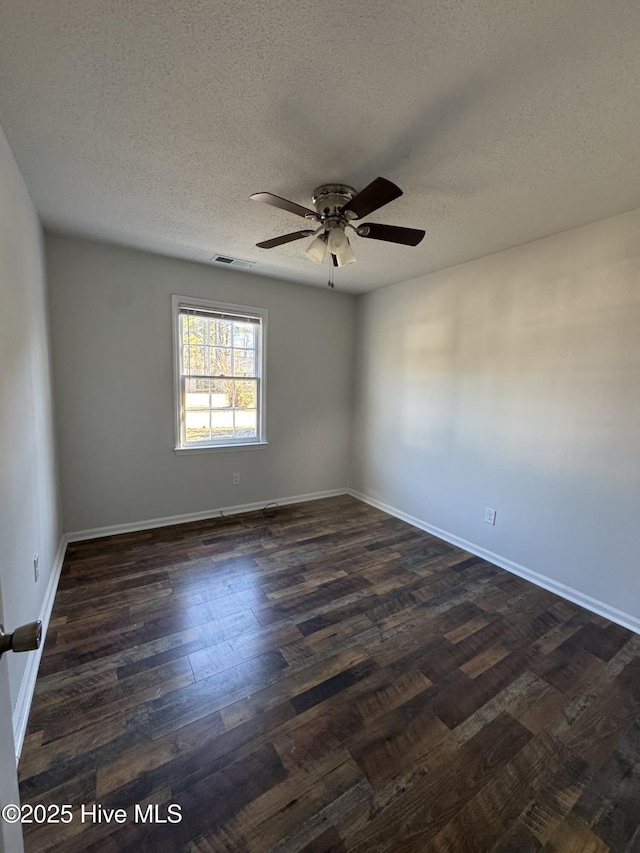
245, 423
197, 426
194, 330
221, 393
195, 360
244, 362
197, 394
246, 394
244, 335
220, 361
221, 424
220, 332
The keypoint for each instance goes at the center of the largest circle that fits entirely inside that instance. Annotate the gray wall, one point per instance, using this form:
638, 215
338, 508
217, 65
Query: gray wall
29, 509
113, 369
514, 382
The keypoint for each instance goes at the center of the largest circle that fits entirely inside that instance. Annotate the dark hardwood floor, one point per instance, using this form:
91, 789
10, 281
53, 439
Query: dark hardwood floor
327, 680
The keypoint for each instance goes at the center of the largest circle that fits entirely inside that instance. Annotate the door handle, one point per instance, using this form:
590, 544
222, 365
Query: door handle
26, 638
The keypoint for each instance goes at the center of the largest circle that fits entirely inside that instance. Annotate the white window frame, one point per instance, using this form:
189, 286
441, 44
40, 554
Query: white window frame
260, 314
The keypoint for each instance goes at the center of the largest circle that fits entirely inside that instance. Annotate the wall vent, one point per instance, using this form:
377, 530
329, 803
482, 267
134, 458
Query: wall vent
232, 262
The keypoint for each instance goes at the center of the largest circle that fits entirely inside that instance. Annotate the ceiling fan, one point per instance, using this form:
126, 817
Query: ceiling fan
336, 207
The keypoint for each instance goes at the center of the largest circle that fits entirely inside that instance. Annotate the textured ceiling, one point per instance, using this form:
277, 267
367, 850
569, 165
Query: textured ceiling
149, 123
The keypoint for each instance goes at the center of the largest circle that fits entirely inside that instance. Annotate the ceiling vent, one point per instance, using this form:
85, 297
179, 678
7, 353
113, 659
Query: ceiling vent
232, 262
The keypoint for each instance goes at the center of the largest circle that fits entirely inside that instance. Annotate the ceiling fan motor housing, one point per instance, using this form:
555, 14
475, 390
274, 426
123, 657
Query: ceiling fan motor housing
329, 199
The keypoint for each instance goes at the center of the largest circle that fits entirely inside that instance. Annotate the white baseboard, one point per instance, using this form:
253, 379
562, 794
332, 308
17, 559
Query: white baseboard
626, 620
149, 524
28, 685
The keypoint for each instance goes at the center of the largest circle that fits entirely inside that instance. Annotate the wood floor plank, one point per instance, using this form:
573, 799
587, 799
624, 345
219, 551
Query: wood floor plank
405, 686
422, 811
399, 748
328, 680
488, 815
573, 837
336, 684
293, 683
266, 821
328, 842
200, 698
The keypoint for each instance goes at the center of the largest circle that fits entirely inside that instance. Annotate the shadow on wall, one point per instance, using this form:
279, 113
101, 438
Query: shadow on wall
532, 374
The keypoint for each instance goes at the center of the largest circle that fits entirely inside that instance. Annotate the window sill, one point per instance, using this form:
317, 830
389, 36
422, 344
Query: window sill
217, 448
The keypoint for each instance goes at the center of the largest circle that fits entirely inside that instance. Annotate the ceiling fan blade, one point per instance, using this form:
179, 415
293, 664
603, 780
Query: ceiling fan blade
285, 238
375, 195
391, 233
284, 204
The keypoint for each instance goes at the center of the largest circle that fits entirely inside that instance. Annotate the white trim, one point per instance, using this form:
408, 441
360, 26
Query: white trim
253, 445
149, 524
28, 685
626, 620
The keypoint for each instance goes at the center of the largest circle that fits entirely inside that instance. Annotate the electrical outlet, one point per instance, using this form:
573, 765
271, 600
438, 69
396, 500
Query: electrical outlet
489, 515
36, 567
235, 479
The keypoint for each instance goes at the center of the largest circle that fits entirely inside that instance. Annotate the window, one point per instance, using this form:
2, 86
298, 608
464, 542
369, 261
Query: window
219, 356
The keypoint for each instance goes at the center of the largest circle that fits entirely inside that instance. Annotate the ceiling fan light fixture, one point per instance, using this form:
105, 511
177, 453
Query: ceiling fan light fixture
340, 247
346, 255
337, 240
317, 249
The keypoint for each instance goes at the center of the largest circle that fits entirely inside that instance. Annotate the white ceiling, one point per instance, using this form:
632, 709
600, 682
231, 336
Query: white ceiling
149, 123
